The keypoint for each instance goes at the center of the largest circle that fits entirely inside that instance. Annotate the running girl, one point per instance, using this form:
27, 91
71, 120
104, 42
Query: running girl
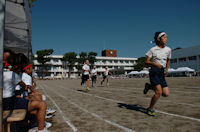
158, 58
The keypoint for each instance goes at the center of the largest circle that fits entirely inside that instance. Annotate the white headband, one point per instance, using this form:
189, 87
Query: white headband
161, 34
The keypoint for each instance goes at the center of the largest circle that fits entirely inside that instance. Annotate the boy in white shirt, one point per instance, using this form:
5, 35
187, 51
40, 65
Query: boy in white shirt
94, 75
86, 73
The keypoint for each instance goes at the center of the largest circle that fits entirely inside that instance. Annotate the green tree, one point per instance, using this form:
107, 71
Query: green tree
140, 64
92, 58
70, 59
43, 57
82, 58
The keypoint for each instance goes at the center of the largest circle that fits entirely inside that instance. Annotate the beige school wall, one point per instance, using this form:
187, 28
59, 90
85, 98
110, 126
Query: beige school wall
58, 69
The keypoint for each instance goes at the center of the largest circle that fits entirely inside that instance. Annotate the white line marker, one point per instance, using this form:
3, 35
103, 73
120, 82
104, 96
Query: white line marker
132, 96
97, 116
65, 118
185, 117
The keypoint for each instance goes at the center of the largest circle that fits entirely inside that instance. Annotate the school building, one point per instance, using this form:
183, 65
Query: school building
55, 68
186, 57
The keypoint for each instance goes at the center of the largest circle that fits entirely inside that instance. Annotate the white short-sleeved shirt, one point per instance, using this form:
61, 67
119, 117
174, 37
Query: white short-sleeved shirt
106, 72
10, 81
86, 69
27, 79
159, 55
94, 72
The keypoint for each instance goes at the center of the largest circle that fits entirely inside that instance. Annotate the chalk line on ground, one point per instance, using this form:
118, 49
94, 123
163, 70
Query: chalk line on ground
63, 116
176, 115
97, 116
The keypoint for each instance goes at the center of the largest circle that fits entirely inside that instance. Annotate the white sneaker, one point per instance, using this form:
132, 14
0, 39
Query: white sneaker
50, 111
34, 129
48, 116
44, 130
48, 124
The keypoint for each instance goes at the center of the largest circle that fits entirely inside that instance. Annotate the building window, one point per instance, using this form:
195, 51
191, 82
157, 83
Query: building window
56, 60
48, 68
115, 61
182, 59
115, 67
173, 60
104, 61
192, 58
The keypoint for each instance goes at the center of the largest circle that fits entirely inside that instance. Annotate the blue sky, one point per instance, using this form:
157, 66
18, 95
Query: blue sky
125, 25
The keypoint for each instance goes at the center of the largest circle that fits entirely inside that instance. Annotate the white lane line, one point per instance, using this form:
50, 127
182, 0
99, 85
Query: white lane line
130, 96
61, 113
116, 101
132, 89
150, 98
186, 117
97, 116
181, 116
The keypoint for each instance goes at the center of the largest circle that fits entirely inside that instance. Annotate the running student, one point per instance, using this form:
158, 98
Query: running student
86, 73
158, 58
94, 75
105, 76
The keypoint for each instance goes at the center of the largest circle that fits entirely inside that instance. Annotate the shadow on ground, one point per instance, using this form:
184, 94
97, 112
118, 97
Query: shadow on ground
85, 91
135, 107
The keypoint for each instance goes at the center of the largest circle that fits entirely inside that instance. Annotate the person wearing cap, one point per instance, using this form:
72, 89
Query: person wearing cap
6, 54
18, 62
31, 93
158, 58
105, 76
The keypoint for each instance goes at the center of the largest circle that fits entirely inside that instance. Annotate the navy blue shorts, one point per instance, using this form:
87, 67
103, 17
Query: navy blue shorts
21, 103
157, 76
8, 103
85, 77
94, 77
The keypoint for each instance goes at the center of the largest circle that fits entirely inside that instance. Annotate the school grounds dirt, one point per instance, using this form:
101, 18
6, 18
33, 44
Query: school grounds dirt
120, 107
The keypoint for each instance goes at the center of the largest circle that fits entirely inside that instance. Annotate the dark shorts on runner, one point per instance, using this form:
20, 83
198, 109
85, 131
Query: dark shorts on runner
104, 76
94, 77
85, 77
157, 76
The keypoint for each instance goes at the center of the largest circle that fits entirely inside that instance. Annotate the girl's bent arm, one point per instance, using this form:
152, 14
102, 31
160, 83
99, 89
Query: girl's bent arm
149, 62
167, 66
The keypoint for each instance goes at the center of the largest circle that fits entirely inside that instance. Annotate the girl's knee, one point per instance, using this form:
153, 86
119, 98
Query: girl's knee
165, 94
158, 93
43, 104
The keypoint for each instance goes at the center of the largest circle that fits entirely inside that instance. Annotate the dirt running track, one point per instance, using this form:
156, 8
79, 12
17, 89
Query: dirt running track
120, 106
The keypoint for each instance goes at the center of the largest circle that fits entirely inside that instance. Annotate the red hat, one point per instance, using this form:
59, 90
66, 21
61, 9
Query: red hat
28, 66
